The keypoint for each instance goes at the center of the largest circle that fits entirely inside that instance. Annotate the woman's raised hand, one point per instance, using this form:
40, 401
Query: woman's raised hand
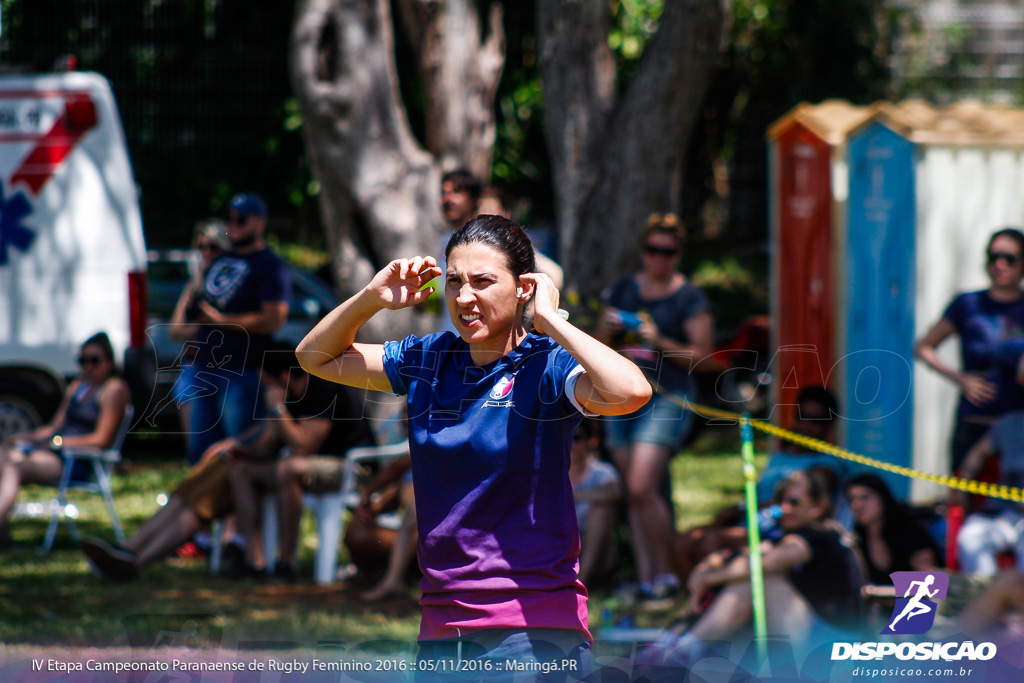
545, 299
399, 284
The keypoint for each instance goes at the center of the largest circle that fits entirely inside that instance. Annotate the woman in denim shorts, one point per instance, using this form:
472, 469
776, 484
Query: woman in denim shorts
662, 323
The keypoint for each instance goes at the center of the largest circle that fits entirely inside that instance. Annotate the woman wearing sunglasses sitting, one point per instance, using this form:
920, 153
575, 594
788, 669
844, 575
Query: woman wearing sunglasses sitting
90, 415
990, 324
812, 581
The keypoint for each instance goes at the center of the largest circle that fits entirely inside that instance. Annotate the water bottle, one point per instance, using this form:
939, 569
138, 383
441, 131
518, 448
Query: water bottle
768, 518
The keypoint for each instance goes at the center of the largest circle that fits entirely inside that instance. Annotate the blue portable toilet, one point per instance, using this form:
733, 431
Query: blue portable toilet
876, 331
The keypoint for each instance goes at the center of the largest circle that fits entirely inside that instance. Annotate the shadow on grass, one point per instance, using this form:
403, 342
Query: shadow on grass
54, 600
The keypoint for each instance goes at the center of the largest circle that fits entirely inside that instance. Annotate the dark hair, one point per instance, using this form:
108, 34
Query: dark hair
820, 395
101, 340
502, 234
463, 180
278, 358
897, 518
1013, 233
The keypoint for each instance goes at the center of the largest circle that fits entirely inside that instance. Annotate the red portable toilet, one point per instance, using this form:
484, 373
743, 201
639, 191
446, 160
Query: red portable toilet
807, 170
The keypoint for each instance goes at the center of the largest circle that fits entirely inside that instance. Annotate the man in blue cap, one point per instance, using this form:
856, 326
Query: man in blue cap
244, 302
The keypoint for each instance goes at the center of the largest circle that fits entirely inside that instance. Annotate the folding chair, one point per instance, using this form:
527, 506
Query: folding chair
94, 479
329, 508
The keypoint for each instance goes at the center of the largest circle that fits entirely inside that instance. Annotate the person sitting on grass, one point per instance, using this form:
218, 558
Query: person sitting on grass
812, 578
816, 409
889, 538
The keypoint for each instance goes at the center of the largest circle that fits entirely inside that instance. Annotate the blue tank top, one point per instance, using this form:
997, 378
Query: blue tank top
83, 411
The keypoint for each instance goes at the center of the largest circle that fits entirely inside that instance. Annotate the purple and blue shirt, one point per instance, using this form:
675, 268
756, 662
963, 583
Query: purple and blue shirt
498, 538
991, 342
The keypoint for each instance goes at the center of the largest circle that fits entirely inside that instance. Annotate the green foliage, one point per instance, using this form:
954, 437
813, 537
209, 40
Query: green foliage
779, 53
203, 93
306, 256
634, 23
520, 164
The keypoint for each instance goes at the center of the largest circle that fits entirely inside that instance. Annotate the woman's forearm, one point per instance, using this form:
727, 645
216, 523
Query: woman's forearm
336, 333
617, 380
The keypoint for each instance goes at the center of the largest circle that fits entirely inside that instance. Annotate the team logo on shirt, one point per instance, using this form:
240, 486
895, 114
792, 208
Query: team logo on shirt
500, 394
225, 277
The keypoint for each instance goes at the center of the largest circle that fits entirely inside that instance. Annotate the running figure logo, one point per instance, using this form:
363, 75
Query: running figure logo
914, 613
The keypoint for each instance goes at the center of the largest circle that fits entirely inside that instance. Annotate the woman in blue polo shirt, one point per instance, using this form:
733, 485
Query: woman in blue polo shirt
990, 324
492, 411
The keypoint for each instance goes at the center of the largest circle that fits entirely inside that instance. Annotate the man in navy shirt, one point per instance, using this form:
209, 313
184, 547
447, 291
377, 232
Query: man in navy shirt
244, 301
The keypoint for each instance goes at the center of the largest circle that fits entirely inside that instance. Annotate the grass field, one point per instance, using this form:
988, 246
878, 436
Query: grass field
54, 600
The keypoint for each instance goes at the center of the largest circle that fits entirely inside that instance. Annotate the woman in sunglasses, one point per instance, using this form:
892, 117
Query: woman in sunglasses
661, 322
812, 581
990, 324
209, 241
90, 415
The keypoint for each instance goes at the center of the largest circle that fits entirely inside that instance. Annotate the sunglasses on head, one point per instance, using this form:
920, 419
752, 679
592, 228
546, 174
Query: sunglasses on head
1011, 259
90, 360
654, 250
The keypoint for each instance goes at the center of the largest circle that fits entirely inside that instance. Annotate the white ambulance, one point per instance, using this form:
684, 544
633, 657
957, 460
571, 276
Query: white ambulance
72, 253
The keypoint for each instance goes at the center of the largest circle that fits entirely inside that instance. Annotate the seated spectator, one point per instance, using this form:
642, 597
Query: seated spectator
596, 488
889, 538
90, 415
369, 544
816, 407
812, 577
202, 496
317, 422
206, 492
998, 525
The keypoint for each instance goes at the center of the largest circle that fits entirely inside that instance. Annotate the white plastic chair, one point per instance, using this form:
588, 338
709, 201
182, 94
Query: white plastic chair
328, 508
102, 461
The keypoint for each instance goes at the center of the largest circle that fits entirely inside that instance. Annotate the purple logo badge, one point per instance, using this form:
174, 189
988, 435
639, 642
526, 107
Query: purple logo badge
914, 611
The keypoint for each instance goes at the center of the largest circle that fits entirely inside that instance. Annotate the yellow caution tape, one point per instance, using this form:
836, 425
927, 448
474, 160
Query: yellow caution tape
970, 486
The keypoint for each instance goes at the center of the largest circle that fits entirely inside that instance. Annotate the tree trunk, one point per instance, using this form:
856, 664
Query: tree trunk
379, 189
460, 68
618, 162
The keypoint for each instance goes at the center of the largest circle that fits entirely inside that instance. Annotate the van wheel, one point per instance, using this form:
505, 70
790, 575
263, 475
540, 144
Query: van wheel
17, 415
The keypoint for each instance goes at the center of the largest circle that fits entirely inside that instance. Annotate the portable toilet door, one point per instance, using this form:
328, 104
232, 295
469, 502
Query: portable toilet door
802, 228
877, 326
